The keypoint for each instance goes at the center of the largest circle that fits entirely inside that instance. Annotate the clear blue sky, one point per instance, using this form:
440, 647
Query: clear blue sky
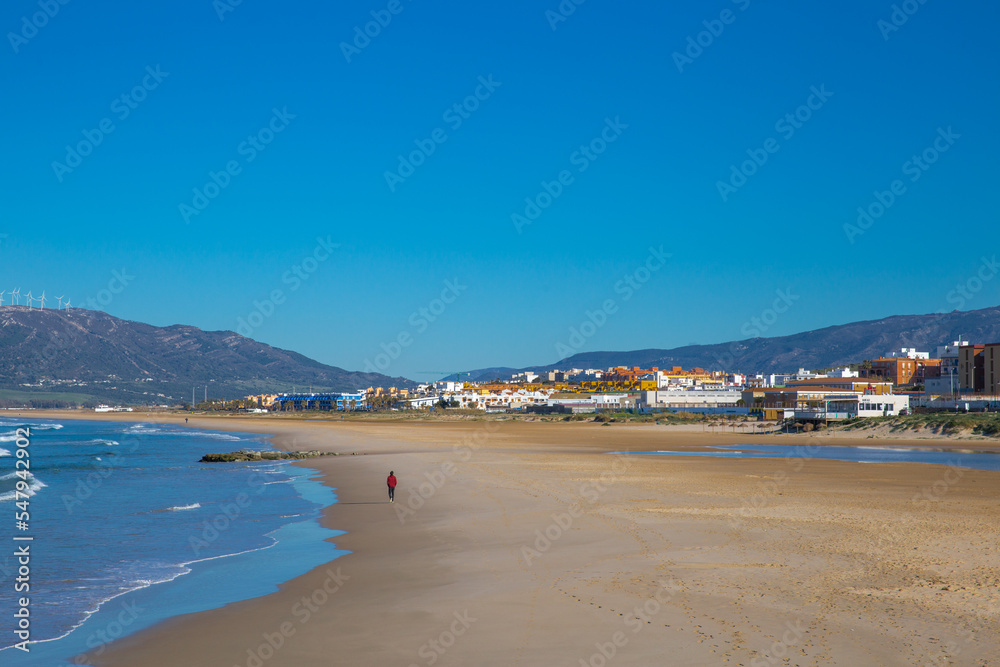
885, 94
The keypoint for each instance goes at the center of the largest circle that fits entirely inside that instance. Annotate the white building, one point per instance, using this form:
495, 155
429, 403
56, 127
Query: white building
879, 405
448, 385
839, 407
577, 375
844, 372
610, 401
779, 379
725, 398
421, 402
908, 353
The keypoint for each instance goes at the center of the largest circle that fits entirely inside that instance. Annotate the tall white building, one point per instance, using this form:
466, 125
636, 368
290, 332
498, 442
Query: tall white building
907, 353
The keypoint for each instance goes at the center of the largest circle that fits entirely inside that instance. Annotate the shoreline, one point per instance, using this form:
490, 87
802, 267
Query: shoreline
472, 556
180, 581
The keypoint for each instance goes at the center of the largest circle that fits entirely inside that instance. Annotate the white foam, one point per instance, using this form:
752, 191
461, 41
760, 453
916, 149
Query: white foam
179, 508
145, 429
886, 449
34, 487
136, 585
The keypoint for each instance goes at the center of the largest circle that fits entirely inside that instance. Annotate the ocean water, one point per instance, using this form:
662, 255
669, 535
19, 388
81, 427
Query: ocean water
129, 529
859, 454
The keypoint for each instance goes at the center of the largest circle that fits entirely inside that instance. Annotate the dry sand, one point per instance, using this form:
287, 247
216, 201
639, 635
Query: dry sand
528, 544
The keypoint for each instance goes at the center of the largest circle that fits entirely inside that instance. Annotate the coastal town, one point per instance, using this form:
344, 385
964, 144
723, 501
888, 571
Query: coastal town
958, 375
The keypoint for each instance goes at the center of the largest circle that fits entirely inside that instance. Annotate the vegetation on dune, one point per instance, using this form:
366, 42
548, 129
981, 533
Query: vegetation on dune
942, 423
42, 400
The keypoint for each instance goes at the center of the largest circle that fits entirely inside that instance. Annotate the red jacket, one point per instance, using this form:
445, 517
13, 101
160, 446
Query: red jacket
391, 480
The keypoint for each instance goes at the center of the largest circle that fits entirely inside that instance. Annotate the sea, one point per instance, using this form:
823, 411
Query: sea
127, 528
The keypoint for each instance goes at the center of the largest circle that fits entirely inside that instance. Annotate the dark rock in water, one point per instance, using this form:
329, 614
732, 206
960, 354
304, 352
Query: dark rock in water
253, 455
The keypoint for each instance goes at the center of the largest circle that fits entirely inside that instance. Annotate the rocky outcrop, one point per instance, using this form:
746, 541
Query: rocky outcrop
253, 455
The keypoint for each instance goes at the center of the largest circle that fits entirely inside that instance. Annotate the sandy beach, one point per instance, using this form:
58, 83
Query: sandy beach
516, 543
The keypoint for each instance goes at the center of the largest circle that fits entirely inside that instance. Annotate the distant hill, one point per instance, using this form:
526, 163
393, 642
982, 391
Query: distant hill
88, 356
823, 348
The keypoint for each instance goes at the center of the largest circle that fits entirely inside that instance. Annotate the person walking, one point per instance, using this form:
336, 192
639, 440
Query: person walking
391, 483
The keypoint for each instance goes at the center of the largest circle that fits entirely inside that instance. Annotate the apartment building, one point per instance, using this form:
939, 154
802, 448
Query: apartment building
971, 369
901, 371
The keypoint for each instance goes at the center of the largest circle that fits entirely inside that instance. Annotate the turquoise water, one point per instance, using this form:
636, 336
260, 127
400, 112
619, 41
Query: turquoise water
975, 460
130, 529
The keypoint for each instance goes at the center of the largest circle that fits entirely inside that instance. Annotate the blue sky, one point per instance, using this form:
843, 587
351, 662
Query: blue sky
641, 138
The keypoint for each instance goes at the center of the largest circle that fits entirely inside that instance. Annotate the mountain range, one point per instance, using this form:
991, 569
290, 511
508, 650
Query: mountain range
50, 358
54, 357
832, 346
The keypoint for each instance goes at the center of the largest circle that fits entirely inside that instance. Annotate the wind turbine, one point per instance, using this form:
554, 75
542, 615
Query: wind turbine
59, 298
30, 299
1, 297
17, 295
41, 299
67, 304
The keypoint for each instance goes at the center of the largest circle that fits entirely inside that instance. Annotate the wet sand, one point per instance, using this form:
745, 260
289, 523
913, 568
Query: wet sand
527, 544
